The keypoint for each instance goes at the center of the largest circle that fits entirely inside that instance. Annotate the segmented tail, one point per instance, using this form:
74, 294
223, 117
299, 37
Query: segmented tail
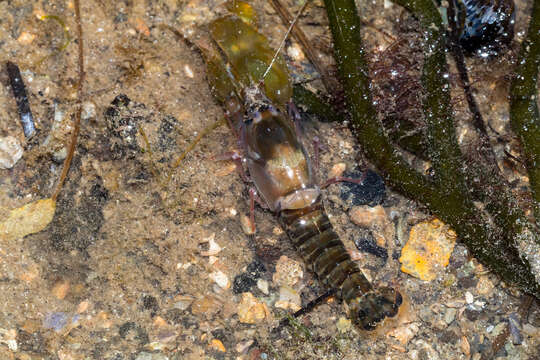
316, 241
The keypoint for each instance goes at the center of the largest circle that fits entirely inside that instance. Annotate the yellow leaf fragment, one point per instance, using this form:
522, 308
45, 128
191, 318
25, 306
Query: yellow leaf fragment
428, 249
28, 219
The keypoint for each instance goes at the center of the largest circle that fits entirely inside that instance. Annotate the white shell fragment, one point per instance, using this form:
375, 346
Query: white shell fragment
221, 279
10, 152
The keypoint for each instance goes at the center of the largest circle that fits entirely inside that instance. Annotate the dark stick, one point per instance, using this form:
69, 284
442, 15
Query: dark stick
21, 97
306, 309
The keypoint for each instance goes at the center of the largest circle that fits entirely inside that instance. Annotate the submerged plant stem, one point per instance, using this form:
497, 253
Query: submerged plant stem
524, 114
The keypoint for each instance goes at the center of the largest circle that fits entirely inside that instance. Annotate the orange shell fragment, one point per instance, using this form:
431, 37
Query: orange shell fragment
428, 249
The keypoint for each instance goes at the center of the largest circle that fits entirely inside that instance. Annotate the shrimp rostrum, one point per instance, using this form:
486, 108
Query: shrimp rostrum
260, 114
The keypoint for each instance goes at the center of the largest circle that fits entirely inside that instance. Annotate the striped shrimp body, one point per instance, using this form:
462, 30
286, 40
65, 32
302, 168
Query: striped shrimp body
279, 166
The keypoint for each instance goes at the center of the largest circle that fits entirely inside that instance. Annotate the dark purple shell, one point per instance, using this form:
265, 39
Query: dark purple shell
485, 25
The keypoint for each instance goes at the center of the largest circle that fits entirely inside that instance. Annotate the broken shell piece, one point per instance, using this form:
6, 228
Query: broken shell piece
250, 310
10, 152
428, 249
247, 225
288, 299
404, 333
221, 279
288, 271
213, 247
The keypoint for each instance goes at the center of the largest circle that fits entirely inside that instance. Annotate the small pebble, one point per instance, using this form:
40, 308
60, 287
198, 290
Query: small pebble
251, 311
60, 289
343, 325
465, 346
288, 299
150, 356
450, 315
484, 286
243, 346
263, 286
247, 225
337, 170
405, 333
365, 216
59, 155
428, 249
183, 302
217, 345
469, 298
514, 326
295, 52
88, 110
499, 328
10, 152
221, 279
26, 38
56, 321
288, 271
213, 247
205, 306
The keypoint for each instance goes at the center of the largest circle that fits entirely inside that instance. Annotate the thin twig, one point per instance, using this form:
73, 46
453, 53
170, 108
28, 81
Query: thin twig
80, 94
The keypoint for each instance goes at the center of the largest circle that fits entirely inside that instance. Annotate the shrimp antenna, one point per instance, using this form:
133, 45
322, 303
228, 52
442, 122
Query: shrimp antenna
284, 39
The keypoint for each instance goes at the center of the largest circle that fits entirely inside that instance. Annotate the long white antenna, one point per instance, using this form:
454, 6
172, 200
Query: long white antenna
285, 38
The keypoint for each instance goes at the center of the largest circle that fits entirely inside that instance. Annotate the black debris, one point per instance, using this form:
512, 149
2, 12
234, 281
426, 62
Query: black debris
371, 191
21, 97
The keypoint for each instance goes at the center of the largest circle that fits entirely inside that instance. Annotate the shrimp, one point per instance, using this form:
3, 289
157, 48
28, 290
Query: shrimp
260, 113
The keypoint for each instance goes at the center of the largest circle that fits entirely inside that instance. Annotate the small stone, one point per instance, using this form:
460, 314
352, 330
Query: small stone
263, 286
217, 345
59, 155
88, 110
499, 328
221, 279
11, 151
449, 315
469, 298
83, 306
183, 302
251, 311
60, 289
337, 170
296, 53
247, 225
205, 306
428, 249
213, 247
484, 286
28, 219
243, 346
26, 38
56, 321
288, 271
366, 216
343, 325
465, 346
288, 299
404, 333
150, 356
